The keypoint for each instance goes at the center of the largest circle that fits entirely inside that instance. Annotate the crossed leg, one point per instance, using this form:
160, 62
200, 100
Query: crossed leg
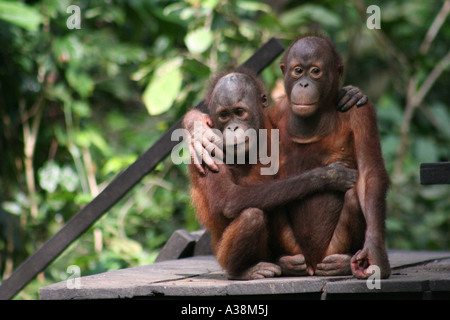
292, 264
349, 233
243, 248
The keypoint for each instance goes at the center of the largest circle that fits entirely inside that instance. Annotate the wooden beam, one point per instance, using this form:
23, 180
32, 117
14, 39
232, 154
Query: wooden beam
86, 217
435, 173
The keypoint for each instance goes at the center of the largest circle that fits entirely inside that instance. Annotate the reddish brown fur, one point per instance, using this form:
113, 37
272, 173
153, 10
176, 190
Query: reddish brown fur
234, 204
332, 222
315, 218
210, 194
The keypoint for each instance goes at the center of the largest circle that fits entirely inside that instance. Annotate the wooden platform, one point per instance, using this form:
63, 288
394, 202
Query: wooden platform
415, 275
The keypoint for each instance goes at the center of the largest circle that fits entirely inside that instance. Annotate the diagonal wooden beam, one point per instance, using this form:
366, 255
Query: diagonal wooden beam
86, 217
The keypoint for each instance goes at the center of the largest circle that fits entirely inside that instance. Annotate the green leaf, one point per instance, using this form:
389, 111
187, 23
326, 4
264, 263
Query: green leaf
118, 163
310, 12
441, 116
393, 225
82, 198
92, 137
434, 193
80, 82
199, 40
164, 87
81, 108
425, 150
193, 66
253, 6
210, 3
20, 15
49, 176
389, 145
59, 92
125, 53
12, 207
388, 110
69, 49
68, 179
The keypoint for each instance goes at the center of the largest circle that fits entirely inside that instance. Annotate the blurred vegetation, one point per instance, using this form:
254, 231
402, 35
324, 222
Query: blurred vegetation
79, 106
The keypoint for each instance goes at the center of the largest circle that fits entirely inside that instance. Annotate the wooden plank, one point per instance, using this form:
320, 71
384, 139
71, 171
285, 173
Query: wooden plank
435, 173
80, 222
202, 276
264, 55
180, 245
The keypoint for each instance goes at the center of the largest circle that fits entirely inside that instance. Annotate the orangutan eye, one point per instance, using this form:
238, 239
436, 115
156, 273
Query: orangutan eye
223, 114
239, 112
315, 71
298, 70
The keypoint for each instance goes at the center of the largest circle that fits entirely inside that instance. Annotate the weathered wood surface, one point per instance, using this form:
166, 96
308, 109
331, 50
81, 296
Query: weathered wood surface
415, 275
435, 173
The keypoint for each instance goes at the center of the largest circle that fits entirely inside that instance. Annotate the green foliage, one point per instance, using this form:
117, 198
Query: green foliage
78, 106
164, 87
20, 15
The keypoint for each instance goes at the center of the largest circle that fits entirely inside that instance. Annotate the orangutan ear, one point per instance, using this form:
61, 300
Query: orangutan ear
340, 68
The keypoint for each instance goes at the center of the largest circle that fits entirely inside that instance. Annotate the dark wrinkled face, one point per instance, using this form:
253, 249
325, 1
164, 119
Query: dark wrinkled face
236, 107
311, 76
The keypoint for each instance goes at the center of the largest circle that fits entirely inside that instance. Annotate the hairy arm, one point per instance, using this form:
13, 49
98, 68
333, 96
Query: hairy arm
371, 188
231, 198
200, 139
